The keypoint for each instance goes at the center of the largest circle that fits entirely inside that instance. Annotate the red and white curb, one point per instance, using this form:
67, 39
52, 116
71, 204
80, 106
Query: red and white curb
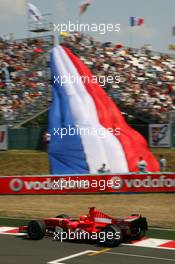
5, 230
154, 243
145, 242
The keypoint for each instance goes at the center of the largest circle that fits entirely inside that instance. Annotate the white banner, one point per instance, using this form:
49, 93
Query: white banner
160, 135
34, 12
3, 138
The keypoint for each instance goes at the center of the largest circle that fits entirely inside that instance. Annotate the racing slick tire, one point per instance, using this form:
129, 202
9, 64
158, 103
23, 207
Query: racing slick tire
64, 216
112, 236
36, 229
140, 228
140, 234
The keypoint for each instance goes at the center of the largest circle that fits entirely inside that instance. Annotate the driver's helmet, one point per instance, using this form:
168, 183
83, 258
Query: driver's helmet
83, 217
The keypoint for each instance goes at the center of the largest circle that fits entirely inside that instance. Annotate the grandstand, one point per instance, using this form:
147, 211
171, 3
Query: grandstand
146, 89
24, 79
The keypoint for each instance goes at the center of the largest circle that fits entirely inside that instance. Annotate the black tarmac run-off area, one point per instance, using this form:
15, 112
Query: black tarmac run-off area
17, 250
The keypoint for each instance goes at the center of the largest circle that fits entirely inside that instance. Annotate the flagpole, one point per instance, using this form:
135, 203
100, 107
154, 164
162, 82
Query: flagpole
27, 17
131, 37
79, 19
131, 25
79, 15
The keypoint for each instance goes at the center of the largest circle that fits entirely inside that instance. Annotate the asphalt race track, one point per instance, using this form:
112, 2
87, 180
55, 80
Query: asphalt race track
17, 250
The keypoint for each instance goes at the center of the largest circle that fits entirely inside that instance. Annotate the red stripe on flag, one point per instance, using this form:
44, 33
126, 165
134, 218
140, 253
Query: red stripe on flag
140, 21
133, 143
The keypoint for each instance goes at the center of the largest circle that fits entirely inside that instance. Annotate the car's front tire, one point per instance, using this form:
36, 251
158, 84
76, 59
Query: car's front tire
36, 229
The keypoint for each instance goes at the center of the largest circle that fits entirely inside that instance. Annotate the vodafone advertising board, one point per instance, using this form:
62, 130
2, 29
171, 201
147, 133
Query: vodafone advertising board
129, 183
3, 137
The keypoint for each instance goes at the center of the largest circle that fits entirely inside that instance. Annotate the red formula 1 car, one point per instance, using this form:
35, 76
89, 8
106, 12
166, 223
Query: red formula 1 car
95, 225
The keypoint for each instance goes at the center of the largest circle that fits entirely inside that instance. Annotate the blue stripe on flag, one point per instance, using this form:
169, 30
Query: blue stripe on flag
132, 21
66, 154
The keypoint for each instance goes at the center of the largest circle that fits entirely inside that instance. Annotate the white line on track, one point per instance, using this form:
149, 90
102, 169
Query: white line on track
138, 256
59, 261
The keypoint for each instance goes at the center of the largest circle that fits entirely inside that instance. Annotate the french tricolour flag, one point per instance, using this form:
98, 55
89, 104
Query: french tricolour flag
85, 107
136, 21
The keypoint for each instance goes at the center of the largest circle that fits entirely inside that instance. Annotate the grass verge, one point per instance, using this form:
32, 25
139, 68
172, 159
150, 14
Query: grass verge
31, 162
158, 208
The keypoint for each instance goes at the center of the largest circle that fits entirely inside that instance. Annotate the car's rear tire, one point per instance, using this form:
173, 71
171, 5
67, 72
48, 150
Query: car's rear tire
62, 216
139, 234
139, 228
36, 229
115, 232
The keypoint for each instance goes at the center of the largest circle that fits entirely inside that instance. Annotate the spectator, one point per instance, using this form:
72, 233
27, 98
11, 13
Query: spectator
103, 169
46, 139
146, 85
5, 72
142, 165
163, 163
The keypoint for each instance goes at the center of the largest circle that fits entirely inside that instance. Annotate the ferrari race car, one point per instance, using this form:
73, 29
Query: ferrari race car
96, 225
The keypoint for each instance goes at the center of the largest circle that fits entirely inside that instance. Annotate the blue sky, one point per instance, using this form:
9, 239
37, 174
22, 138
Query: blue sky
159, 18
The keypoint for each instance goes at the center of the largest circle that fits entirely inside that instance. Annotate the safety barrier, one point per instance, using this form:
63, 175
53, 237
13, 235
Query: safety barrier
78, 184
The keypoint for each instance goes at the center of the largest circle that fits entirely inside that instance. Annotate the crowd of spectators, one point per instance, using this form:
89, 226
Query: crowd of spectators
146, 84
24, 78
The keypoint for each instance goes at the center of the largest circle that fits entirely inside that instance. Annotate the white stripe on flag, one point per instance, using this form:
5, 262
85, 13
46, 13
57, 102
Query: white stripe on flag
98, 150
